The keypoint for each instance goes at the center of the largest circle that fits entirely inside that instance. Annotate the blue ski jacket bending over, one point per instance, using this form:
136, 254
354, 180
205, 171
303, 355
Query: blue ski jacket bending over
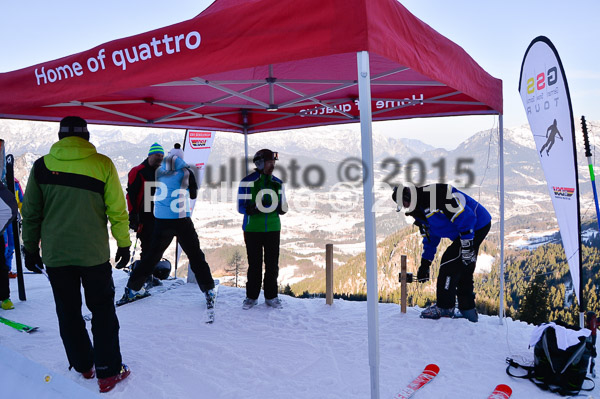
447, 213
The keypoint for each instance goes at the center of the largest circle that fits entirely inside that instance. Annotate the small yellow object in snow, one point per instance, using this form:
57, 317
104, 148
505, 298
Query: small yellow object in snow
47, 377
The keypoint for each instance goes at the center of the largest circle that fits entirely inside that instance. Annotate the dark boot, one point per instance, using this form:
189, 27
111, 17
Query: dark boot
470, 314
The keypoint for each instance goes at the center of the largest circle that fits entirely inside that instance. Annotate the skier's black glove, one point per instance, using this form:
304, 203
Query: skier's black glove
467, 251
134, 221
33, 261
282, 208
251, 209
423, 272
122, 257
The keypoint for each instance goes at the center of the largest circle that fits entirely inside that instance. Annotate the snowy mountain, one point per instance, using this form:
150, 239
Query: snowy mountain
312, 163
305, 350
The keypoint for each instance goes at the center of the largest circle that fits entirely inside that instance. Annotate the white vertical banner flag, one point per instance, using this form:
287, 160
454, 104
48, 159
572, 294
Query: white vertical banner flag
545, 94
196, 150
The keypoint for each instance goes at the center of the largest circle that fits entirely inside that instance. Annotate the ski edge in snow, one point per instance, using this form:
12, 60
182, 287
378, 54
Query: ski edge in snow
17, 326
210, 309
501, 391
430, 371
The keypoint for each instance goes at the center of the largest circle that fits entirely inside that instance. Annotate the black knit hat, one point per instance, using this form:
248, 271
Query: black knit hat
73, 126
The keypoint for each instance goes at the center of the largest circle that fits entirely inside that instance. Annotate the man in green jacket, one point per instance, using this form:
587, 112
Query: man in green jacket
70, 194
261, 199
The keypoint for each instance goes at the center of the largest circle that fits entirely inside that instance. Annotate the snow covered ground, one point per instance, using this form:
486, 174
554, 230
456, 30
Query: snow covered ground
305, 350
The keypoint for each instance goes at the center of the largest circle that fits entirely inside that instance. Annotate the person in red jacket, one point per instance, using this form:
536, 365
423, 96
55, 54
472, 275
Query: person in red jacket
141, 209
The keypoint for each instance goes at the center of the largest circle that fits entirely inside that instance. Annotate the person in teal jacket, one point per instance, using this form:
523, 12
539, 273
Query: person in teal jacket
261, 199
71, 195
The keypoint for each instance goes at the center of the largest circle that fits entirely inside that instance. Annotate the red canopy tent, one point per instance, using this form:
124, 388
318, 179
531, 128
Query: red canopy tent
283, 67
260, 65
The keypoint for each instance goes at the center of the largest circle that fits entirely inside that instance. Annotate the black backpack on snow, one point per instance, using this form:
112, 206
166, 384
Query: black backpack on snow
556, 370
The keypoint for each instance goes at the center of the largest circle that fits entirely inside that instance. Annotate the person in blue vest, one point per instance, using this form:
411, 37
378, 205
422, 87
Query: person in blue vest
442, 211
176, 185
261, 199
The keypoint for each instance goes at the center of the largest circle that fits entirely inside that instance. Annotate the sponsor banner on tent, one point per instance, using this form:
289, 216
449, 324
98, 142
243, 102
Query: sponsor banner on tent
196, 150
545, 95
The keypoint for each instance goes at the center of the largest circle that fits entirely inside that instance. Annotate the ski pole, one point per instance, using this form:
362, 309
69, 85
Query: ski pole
588, 154
43, 272
128, 268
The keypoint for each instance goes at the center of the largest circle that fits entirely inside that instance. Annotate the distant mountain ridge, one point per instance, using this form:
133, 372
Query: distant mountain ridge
304, 233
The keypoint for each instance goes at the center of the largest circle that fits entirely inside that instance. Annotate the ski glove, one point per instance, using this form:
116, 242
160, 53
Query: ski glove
281, 208
33, 261
134, 221
122, 257
467, 251
251, 209
423, 272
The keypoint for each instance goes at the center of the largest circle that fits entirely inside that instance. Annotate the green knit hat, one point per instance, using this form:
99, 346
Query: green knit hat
156, 149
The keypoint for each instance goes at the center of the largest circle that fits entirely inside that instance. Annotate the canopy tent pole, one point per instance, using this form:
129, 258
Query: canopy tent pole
501, 162
364, 95
245, 116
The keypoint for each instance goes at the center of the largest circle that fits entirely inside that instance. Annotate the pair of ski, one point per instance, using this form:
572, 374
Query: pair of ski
149, 291
431, 370
210, 301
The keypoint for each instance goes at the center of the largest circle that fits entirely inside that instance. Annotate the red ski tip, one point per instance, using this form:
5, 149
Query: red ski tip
432, 369
501, 391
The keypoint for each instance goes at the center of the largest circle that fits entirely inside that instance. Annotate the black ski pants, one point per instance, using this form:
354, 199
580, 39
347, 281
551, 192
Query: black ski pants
145, 236
455, 280
99, 290
256, 244
4, 284
164, 232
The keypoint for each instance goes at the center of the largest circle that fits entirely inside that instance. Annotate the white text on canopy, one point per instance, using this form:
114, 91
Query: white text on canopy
121, 58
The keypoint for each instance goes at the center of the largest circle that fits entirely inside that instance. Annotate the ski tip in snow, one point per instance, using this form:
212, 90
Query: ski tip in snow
432, 369
18, 326
501, 391
428, 374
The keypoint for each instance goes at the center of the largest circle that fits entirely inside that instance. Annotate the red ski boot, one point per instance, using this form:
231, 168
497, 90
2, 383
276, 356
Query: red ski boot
106, 384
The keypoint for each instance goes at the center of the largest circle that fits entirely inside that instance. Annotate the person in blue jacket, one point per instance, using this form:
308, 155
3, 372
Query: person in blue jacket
442, 211
176, 185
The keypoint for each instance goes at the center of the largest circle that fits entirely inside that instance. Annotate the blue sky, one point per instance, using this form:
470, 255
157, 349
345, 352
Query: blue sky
495, 34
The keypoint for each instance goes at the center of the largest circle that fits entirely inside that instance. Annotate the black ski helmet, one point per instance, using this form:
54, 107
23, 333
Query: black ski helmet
264, 155
406, 196
162, 270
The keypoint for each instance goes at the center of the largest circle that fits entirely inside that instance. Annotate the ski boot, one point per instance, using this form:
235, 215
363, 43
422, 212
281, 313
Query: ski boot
7, 304
274, 303
106, 384
131, 295
248, 303
433, 312
469, 314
